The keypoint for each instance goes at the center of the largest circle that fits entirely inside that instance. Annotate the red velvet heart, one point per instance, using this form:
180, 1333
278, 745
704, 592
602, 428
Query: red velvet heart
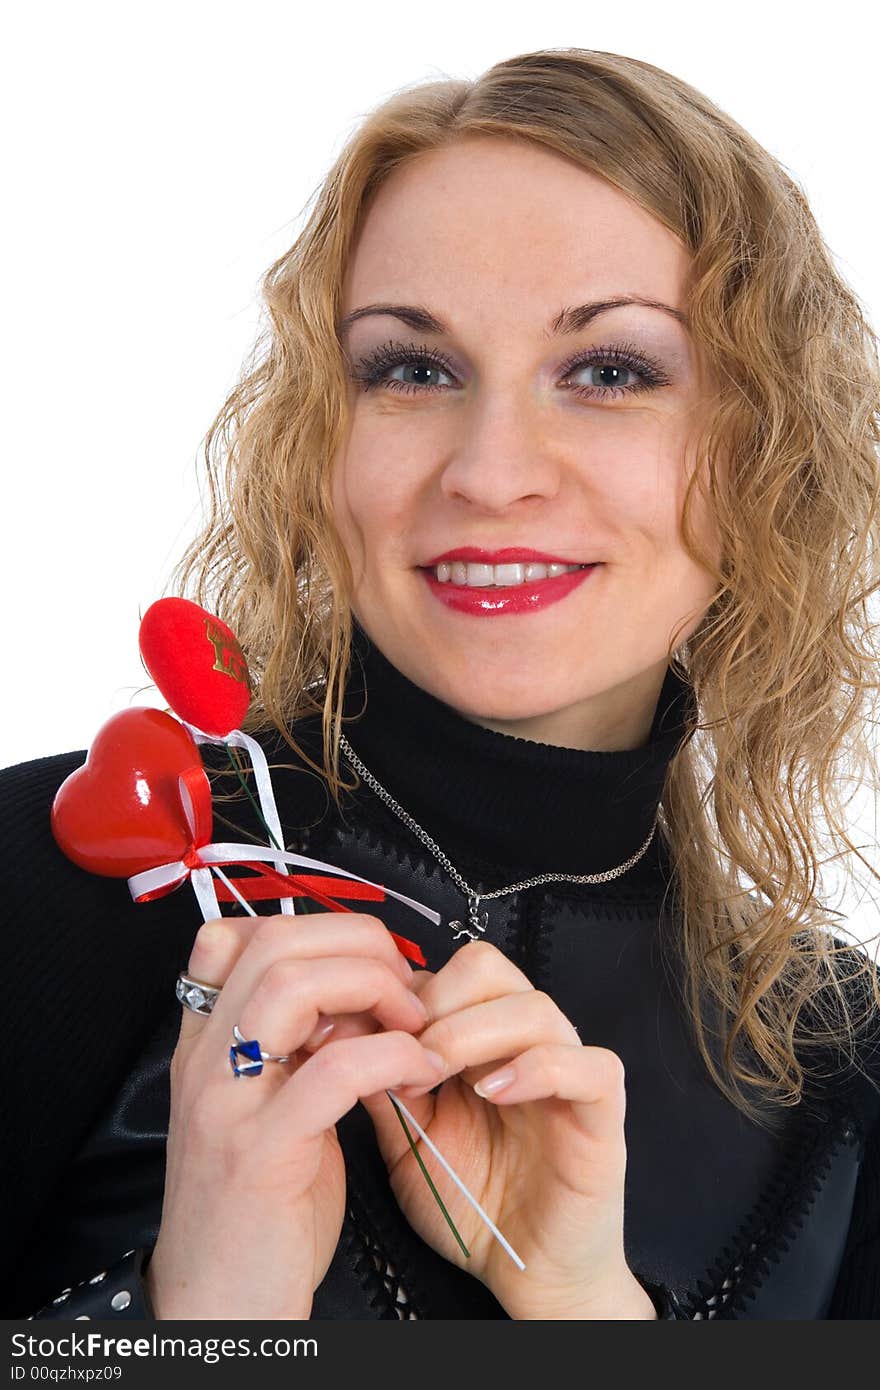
121, 812
197, 664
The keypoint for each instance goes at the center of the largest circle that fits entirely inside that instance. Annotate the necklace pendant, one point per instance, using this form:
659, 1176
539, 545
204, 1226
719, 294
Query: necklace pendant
478, 922
459, 929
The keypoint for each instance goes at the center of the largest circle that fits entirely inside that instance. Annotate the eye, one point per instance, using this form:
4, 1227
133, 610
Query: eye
425, 366
616, 361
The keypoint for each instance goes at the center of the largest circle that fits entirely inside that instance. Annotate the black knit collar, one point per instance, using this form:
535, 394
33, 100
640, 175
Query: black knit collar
511, 806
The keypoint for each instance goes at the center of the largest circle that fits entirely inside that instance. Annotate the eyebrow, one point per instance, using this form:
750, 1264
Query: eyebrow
568, 321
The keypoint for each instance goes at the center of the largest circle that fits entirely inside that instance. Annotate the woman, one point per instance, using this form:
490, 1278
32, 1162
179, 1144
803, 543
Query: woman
547, 469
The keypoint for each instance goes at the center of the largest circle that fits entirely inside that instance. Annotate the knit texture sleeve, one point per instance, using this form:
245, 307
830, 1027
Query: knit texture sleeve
87, 974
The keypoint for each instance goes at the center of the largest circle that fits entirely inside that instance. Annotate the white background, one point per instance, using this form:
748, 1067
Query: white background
160, 156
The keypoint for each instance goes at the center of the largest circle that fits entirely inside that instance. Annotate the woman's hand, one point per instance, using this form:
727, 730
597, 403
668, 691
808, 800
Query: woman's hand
255, 1180
543, 1153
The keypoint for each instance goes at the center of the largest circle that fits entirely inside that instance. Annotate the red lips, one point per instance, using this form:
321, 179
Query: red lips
512, 555
485, 601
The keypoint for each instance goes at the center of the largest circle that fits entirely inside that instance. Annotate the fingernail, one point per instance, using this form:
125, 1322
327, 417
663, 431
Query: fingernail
436, 1060
496, 1081
209, 932
415, 1091
322, 1031
420, 1006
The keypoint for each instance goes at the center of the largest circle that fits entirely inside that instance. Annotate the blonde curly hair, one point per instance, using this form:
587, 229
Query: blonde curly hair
782, 663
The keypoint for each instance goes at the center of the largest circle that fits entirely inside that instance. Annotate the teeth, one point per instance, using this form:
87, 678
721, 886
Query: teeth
502, 576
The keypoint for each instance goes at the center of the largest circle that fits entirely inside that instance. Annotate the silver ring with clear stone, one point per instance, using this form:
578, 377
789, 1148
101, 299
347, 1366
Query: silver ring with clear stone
195, 995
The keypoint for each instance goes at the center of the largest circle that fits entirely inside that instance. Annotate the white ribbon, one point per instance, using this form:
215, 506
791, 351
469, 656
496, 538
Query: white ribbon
171, 872
164, 875
266, 795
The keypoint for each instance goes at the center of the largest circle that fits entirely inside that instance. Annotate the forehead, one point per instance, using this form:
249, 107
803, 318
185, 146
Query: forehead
507, 220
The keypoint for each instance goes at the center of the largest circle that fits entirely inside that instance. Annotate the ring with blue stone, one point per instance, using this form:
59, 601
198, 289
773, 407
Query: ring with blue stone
250, 1050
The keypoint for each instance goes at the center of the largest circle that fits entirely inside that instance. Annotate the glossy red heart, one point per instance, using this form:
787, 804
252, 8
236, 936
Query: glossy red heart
197, 664
121, 812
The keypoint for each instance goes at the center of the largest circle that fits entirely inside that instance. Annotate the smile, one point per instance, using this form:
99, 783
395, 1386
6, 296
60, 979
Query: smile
484, 576
482, 591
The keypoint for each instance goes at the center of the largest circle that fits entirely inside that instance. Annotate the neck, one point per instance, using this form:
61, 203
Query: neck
614, 720
499, 805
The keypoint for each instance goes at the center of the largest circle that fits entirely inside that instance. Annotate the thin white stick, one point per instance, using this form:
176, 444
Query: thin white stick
458, 1182
233, 890
415, 1124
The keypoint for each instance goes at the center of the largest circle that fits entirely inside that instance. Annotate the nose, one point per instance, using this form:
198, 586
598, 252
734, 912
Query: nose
500, 457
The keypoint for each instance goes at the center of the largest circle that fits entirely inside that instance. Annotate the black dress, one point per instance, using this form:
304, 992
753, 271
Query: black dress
733, 1220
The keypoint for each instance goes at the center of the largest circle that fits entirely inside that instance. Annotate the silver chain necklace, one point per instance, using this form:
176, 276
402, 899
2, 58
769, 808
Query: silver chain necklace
479, 921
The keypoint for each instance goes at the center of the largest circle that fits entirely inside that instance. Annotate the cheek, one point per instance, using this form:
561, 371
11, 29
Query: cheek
666, 512
703, 526
650, 512
374, 505
356, 479
346, 513
688, 588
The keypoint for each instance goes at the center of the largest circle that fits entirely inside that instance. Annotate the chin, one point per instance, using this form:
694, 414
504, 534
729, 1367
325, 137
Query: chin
508, 698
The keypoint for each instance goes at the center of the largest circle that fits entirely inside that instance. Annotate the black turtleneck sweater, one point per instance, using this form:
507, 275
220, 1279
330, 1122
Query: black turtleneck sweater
87, 971
504, 808
509, 807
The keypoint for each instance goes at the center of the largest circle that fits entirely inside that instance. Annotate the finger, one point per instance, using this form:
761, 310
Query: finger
420, 980
340, 1025
328, 1084
590, 1078
477, 971
234, 953
357, 1025
498, 1028
285, 1007
216, 948
315, 936
420, 1100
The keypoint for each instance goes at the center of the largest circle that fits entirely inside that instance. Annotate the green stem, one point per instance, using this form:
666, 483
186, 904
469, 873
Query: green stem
305, 904
427, 1176
250, 796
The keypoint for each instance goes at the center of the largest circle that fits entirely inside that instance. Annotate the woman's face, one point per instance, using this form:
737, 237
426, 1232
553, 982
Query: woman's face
490, 438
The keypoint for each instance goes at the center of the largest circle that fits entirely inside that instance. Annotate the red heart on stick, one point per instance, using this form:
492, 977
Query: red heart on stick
121, 812
197, 664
